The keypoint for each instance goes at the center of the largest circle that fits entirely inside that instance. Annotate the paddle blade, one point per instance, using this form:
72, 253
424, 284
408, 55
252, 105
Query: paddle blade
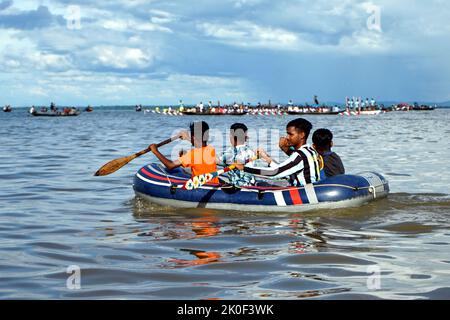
113, 166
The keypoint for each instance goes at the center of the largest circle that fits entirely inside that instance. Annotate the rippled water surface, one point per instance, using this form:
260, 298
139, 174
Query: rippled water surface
54, 214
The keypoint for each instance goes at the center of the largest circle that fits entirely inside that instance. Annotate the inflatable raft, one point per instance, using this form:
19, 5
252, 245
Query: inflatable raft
157, 185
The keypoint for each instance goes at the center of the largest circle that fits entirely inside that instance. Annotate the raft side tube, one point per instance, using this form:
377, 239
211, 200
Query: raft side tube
156, 184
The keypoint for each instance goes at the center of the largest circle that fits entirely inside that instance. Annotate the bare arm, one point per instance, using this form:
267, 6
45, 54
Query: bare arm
262, 154
284, 145
169, 164
285, 169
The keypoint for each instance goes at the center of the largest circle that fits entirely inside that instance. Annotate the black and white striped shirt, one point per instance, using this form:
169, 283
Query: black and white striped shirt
302, 167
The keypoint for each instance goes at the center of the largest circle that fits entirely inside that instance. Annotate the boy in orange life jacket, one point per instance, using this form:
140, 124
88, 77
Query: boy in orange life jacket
201, 159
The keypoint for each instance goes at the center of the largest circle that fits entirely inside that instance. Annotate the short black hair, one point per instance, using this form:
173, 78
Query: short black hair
322, 138
199, 127
238, 130
239, 126
302, 125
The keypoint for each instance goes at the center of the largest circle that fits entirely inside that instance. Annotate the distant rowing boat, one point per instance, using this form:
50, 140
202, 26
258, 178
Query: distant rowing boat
192, 113
423, 108
362, 113
267, 113
316, 113
164, 112
54, 114
323, 110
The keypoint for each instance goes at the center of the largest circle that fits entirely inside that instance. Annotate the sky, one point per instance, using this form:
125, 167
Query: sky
128, 52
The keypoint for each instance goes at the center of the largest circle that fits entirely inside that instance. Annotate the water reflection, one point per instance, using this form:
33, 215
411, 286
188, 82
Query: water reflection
187, 228
258, 238
203, 257
207, 226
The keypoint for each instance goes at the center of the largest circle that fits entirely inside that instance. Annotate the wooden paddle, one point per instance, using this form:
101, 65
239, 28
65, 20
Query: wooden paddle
116, 164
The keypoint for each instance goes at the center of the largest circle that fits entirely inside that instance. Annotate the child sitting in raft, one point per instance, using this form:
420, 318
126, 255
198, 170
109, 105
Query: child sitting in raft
302, 166
201, 159
238, 152
332, 163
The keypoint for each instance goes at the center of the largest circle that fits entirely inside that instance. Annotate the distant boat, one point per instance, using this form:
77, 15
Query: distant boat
89, 109
195, 113
138, 108
165, 111
361, 113
423, 107
323, 113
319, 111
54, 114
271, 112
402, 107
65, 113
7, 109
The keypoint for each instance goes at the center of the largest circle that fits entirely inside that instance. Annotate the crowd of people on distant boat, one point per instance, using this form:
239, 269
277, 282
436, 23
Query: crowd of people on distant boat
359, 104
241, 108
355, 104
305, 163
210, 108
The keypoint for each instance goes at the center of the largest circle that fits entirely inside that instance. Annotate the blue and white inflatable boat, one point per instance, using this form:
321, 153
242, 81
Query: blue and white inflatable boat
158, 185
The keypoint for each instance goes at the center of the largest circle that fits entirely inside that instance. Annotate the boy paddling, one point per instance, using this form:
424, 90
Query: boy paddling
201, 159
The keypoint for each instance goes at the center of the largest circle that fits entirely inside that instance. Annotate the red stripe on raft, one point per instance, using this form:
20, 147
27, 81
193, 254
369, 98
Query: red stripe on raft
295, 196
151, 175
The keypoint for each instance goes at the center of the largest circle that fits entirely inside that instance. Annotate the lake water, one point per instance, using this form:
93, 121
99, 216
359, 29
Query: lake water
54, 214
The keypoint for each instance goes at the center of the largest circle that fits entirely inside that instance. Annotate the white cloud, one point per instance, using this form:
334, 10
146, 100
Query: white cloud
242, 3
162, 17
38, 91
363, 41
118, 25
247, 34
49, 61
12, 64
21, 54
135, 3
9, 40
122, 57
250, 35
133, 25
